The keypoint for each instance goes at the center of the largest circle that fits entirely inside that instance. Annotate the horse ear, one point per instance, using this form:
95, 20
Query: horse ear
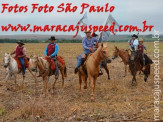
102, 45
116, 47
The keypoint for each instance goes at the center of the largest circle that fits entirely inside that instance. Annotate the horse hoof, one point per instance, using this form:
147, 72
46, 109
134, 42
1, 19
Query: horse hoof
145, 80
108, 78
92, 99
85, 87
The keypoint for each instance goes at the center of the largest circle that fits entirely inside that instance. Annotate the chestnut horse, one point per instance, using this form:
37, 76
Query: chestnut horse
92, 66
46, 71
124, 55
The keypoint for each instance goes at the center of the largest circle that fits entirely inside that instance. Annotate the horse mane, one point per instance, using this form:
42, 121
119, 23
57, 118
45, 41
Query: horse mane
41, 65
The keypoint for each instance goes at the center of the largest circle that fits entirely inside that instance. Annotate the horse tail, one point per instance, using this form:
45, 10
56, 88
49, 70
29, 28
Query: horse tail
65, 71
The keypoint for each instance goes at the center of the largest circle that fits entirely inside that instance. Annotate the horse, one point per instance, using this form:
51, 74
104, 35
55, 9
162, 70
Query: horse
104, 65
45, 69
12, 68
124, 55
32, 67
92, 66
136, 64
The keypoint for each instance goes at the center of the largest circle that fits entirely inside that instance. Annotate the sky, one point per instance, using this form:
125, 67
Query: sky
126, 12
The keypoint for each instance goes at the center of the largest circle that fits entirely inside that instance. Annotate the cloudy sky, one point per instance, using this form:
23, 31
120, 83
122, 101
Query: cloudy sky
127, 12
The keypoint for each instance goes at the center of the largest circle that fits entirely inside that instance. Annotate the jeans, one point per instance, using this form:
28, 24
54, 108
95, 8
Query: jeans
56, 66
79, 58
22, 64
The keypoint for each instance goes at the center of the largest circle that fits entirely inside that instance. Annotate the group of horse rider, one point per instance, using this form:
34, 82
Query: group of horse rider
137, 45
89, 43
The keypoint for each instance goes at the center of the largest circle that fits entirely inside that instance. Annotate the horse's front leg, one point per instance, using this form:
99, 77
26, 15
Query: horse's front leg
62, 73
133, 79
125, 71
35, 77
92, 83
15, 76
80, 82
56, 78
6, 80
85, 81
45, 85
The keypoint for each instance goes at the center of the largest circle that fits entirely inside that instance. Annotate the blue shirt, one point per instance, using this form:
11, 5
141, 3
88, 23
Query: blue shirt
55, 52
89, 43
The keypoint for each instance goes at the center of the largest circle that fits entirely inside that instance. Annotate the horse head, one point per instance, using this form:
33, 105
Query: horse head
33, 63
115, 53
7, 59
104, 51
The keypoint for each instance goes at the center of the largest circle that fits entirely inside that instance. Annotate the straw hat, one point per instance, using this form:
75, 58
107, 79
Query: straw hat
87, 31
141, 40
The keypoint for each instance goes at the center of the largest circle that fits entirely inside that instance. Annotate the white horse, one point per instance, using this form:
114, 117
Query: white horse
12, 68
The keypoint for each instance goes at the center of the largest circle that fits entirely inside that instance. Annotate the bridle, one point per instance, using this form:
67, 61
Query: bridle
35, 69
7, 64
102, 53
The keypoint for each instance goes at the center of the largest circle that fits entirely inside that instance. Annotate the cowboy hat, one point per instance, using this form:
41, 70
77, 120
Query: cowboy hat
87, 31
134, 36
141, 40
52, 38
20, 42
94, 35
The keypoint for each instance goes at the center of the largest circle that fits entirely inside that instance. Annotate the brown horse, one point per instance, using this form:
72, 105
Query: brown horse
92, 66
136, 64
46, 71
124, 55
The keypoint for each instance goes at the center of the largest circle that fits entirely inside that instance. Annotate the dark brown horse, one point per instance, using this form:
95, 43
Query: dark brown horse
104, 65
135, 64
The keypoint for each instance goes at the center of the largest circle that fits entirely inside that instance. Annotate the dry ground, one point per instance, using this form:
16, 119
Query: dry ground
116, 99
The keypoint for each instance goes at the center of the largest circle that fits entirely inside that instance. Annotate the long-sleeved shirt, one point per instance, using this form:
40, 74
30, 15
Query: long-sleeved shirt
55, 52
134, 43
89, 43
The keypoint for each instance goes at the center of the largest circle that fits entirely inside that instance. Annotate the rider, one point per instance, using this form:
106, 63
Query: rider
51, 51
133, 42
20, 53
88, 46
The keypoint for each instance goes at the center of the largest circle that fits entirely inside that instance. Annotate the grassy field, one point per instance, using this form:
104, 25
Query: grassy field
116, 99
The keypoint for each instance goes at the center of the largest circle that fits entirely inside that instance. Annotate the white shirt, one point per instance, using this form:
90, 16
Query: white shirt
134, 43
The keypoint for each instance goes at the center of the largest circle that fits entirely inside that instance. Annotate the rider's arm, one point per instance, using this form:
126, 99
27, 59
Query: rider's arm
84, 44
100, 39
56, 51
13, 53
46, 50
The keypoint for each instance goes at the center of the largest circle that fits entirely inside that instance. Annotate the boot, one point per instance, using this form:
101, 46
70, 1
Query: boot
76, 70
100, 73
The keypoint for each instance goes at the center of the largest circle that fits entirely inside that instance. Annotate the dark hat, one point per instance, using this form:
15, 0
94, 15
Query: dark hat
52, 38
94, 35
20, 42
134, 36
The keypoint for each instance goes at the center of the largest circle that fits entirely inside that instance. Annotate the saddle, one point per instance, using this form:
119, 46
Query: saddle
26, 61
52, 63
83, 64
